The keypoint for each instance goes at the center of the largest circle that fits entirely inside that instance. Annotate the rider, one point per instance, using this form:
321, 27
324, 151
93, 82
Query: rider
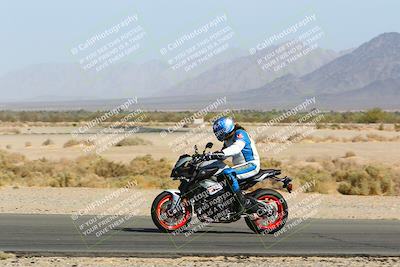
242, 149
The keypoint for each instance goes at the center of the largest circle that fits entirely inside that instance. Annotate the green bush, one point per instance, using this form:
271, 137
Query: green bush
373, 115
73, 117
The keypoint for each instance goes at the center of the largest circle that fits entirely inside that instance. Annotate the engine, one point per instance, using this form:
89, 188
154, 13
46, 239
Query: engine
216, 203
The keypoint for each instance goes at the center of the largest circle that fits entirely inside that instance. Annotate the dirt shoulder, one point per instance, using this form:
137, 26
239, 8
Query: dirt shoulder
37, 200
200, 261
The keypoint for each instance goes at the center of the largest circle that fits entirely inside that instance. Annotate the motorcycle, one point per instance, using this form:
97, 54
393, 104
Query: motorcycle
204, 191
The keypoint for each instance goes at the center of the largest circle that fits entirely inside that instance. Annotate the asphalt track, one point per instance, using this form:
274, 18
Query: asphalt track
58, 235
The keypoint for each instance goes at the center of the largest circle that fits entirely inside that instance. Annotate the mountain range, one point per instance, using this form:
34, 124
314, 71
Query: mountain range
364, 77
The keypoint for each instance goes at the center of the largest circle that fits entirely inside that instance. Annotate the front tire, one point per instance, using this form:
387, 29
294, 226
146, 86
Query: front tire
265, 224
167, 222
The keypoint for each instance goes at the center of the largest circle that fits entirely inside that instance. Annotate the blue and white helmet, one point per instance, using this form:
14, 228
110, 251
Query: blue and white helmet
223, 127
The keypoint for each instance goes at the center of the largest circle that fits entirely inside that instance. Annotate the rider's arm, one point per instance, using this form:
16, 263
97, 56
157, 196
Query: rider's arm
234, 149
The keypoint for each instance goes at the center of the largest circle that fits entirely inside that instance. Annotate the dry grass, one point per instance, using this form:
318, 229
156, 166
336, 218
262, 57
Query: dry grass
343, 175
74, 142
4, 256
48, 142
86, 171
339, 126
133, 141
296, 138
349, 154
11, 130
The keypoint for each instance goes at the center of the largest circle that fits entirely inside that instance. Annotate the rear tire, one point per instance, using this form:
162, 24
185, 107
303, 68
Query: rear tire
275, 198
159, 203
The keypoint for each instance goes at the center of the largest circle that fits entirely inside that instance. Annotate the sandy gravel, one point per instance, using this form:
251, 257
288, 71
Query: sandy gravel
198, 261
386, 152
35, 200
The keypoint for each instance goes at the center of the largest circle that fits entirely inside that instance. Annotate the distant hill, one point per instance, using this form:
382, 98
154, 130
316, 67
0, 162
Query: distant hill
58, 82
381, 93
244, 73
364, 77
373, 67
61, 82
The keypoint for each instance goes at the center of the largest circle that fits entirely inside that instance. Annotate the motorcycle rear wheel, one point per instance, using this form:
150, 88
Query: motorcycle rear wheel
264, 225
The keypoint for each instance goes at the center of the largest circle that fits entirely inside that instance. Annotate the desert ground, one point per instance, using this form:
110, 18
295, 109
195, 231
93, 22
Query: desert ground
17, 199
39, 200
202, 261
166, 146
364, 144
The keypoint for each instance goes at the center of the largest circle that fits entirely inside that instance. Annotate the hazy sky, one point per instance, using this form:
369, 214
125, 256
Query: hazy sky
43, 31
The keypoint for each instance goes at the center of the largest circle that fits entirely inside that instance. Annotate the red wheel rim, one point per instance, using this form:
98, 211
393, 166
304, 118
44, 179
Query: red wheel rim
280, 214
166, 224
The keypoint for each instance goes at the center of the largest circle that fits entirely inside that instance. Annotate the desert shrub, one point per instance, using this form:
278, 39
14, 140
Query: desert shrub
335, 126
28, 144
9, 131
105, 168
331, 138
90, 171
48, 142
373, 115
150, 172
349, 154
397, 127
381, 127
7, 159
342, 174
316, 139
155, 182
72, 117
71, 142
148, 166
74, 142
133, 141
4, 255
270, 163
320, 178
350, 127
294, 137
319, 125
8, 146
369, 180
311, 159
371, 138
359, 138
376, 137
394, 138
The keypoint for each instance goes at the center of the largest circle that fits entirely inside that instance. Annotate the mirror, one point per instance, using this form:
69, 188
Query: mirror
209, 145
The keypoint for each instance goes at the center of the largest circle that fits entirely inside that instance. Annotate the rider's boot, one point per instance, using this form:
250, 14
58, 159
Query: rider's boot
245, 204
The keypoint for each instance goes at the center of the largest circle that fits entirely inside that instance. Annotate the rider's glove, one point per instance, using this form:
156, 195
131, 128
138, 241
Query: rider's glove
215, 155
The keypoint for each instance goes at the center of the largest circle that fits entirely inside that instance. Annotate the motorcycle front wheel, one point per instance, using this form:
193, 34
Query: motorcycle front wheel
167, 219
279, 212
